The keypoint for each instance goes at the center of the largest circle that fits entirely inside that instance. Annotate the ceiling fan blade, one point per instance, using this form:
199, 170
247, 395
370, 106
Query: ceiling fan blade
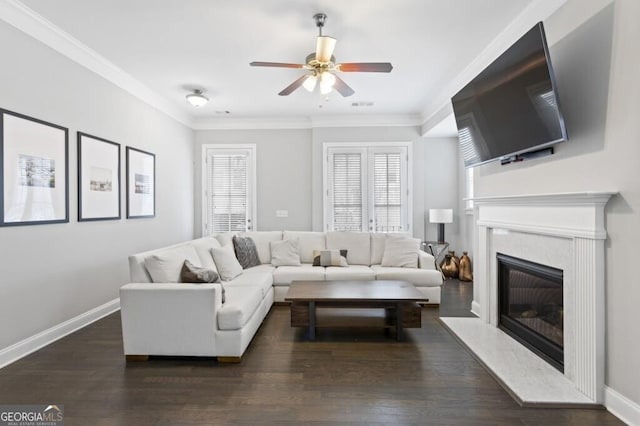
324, 48
343, 88
275, 64
365, 67
293, 86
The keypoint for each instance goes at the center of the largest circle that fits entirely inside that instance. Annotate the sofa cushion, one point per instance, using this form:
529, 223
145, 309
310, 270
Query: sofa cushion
246, 251
283, 275
242, 302
330, 258
377, 244
418, 277
308, 242
165, 266
401, 252
260, 269
203, 247
353, 272
358, 245
262, 240
285, 253
228, 265
225, 238
263, 281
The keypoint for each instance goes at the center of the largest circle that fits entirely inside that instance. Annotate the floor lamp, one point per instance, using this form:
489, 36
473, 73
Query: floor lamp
441, 216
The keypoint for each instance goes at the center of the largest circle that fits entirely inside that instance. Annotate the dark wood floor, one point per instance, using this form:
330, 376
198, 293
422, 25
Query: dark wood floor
354, 377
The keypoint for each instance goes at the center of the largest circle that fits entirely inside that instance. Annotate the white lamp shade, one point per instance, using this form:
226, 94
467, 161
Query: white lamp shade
441, 215
324, 48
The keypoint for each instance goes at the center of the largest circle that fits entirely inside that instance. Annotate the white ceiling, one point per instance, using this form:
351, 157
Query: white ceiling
172, 46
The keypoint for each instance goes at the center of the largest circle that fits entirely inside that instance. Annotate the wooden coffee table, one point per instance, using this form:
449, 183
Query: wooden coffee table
399, 299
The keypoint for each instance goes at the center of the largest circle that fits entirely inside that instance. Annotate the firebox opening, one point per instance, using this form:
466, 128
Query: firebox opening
531, 306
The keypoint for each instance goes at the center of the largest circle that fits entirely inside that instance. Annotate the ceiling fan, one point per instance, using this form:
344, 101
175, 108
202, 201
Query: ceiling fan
322, 66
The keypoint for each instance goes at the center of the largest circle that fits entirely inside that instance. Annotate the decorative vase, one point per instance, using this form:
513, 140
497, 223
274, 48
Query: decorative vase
449, 267
455, 258
465, 271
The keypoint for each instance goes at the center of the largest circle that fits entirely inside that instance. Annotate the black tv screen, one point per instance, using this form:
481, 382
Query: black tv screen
512, 106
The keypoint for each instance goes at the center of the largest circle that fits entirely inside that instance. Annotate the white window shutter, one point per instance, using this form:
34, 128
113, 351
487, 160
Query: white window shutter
347, 191
228, 192
387, 192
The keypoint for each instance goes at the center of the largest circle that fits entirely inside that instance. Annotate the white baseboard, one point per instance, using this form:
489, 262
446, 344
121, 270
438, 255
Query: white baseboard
475, 308
31, 344
622, 407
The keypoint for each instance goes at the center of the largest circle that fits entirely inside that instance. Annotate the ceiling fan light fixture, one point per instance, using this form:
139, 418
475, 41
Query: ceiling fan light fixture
327, 80
324, 48
310, 83
197, 98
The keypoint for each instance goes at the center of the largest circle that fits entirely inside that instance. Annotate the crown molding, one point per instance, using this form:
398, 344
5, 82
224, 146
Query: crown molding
31, 23
536, 11
313, 122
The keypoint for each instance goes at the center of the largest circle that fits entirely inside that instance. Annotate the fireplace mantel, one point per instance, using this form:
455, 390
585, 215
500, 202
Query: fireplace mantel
567, 229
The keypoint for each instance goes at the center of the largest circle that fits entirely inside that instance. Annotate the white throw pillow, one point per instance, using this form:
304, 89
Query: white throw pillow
226, 262
401, 252
285, 253
165, 266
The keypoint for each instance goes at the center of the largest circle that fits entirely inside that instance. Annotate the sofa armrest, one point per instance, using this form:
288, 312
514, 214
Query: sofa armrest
170, 319
426, 261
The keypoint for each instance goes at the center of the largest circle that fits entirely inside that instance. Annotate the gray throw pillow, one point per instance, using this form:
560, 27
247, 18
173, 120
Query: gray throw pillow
246, 251
330, 258
196, 275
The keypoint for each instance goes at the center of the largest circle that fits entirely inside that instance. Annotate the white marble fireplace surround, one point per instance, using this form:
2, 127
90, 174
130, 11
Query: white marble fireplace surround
565, 231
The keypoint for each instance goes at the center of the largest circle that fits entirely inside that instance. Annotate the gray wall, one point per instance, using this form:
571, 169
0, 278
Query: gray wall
52, 273
283, 160
289, 175
597, 67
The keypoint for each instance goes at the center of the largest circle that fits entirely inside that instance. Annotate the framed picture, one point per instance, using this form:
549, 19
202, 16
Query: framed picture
141, 184
98, 178
34, 171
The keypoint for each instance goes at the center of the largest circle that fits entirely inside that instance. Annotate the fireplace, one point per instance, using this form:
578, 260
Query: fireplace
530, 306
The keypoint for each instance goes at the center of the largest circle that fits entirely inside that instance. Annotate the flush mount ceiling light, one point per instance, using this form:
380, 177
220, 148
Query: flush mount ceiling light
197, 98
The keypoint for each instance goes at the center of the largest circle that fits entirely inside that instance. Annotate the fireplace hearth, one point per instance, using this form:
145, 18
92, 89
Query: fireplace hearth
530, 306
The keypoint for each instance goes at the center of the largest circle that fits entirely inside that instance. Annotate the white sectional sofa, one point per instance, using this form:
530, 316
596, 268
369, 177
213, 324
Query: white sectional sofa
172, 318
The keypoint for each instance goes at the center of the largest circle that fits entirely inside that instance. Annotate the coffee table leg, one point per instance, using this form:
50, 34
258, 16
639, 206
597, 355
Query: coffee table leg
398, 321
312, 320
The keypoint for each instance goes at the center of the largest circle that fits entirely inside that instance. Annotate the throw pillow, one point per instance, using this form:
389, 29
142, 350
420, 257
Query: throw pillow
196, 275
246, 251
228, 265
401, 252
285, 253
330, 258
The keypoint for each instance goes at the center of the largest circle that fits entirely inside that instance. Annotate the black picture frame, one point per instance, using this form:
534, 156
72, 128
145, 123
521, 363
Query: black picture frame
97, 197
33, 152
141, 188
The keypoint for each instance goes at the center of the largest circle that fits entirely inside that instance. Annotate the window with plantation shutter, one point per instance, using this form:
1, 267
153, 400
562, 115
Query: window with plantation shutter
387, 192
367, 188
229, 192
347, 191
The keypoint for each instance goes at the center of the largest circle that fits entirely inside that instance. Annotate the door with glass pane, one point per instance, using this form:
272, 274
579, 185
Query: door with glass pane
229, 190
367, 189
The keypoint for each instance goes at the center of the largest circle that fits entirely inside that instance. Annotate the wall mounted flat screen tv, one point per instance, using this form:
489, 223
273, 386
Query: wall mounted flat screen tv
512, 106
